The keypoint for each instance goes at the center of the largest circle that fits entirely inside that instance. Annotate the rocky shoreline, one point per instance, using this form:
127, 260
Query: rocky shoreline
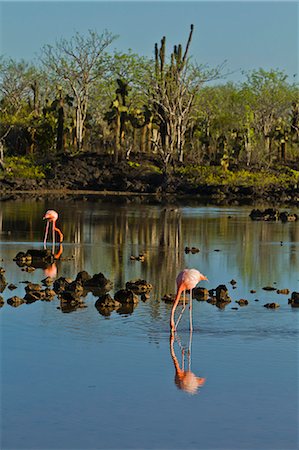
89, 175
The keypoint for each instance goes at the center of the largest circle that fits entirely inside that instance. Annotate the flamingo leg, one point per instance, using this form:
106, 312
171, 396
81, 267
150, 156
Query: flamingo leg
190, 310
189, 351
53, 237
46, 235
182, 311
59, 232
176, 301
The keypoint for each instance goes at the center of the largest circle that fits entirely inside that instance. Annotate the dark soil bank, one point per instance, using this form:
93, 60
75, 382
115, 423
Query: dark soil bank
98, 174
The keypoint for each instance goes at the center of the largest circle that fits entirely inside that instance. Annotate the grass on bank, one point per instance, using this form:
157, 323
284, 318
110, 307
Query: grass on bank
195, 175
215, 176
22, 167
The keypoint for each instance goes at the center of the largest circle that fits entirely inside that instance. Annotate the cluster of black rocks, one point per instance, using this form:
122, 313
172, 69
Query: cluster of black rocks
271, 214
220, 296
72, 293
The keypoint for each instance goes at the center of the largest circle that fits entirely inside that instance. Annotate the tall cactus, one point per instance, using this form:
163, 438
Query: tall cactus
172, 98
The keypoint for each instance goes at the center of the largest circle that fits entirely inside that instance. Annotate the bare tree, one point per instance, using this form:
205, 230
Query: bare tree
78, 62
174, 87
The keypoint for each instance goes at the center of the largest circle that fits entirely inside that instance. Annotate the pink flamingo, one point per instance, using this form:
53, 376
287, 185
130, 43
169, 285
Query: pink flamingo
186, 280
51, 216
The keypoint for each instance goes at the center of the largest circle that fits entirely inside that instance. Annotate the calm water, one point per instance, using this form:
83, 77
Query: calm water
84, 381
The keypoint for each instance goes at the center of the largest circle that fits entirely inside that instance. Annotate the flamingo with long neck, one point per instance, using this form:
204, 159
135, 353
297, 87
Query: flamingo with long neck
51, 216
186, 280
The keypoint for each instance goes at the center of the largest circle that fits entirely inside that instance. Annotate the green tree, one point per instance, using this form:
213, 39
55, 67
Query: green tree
267, 95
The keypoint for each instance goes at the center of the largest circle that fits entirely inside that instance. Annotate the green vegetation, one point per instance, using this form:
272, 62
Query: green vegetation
81, 99
215, 176
23, 167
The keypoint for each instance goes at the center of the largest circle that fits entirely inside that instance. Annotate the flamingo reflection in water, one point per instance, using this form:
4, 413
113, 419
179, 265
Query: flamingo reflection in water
185, 380
51, 269
186, 280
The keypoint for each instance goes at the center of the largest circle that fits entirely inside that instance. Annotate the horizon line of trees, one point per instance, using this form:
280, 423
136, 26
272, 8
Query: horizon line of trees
83, 98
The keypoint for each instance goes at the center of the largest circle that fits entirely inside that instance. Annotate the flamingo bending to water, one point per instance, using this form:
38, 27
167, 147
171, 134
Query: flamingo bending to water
51, 216
186, 280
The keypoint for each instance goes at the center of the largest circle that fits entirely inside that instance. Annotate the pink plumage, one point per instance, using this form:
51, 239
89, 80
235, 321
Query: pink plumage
186, 281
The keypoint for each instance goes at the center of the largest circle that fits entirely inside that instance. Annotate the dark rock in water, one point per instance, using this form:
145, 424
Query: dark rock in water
283, 291
83, 276
33, 287
68, 306
222, 294
192, 250
168, 298
252, 291
294, 300
34, 296
212, 300
269, 288
106, 304
70, 296
236, 309
15, 301
271, 214
28, 268
34, 293
242, 302
34, 255
267, 214
3, 282
140, 257
44, 254
233, 282
1, 301
47, 281
49, 295
125, 296
2, 270
11, 286
286, 217
200, 293
221, 305
60, 284
272, 305
144, 297
126, 308
76, 288
23, 257
98, 281
70, 291
138, 286
107, 301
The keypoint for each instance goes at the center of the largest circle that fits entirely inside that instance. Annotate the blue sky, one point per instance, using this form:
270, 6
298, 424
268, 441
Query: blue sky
248, 35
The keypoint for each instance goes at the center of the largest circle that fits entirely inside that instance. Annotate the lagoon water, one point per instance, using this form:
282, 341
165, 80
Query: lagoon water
81, 380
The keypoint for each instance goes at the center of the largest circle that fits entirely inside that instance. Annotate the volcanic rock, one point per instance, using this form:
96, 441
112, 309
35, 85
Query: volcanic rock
272, 305
15, 301
138, 286
125, 296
